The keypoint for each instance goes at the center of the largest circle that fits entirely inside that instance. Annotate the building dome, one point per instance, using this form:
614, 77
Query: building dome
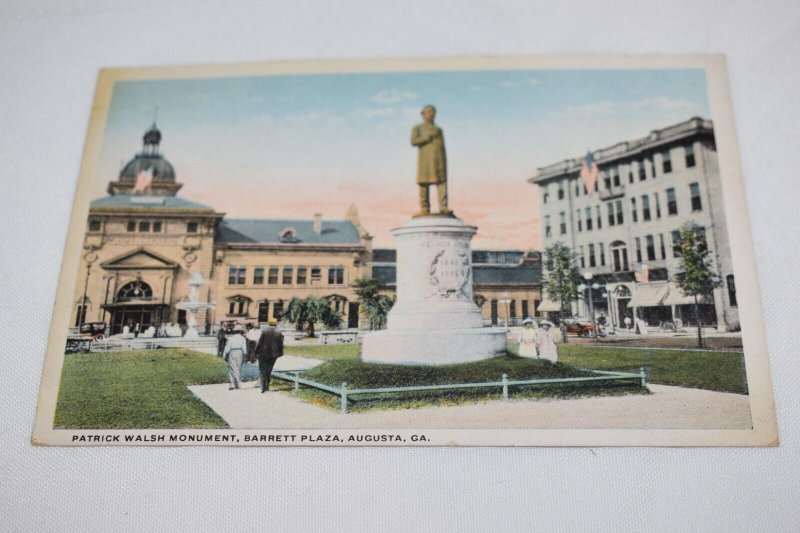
161, 168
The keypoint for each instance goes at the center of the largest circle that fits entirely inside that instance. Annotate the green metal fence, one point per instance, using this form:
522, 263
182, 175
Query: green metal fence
344, 392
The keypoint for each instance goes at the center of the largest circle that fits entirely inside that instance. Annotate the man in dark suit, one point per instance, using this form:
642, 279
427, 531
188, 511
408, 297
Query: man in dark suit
268, 349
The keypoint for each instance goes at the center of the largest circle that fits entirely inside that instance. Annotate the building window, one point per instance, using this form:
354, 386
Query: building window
524, 308
700, 237
277, 310
263, 311
583, 258
272, 279
131, 226
634, 213
666, 162
630, 174
287, 275
645, 208
651, 248
238, 306
599, 218
642, 171
547, 229
615, 176
672, 202
144, 226
536, 304
638, 242
258, 276
661, 246
585, 190
619, 257
610, 208
560, 190
658, 205
157, 226
731, 290
577, 188
607, 181
694, 191
676, 243
563, 223
620, 218
316, 274
335, 275
301, 275
545, 197
512, 309
589, 219
690, 156
191, 227
592, 262
95, 225
602, 254
578, 218
237, 275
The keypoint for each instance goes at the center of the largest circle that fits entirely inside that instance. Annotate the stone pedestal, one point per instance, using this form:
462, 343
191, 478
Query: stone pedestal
434, 321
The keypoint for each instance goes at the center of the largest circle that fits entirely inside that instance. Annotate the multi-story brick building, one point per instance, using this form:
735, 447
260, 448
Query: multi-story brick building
646, 190
143, 242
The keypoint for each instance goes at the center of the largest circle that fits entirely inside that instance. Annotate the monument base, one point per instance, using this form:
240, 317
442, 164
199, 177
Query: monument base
433, 347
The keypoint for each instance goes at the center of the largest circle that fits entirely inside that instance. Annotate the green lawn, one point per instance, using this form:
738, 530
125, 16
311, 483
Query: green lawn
330, 352
137, 389
719, 371
365, 375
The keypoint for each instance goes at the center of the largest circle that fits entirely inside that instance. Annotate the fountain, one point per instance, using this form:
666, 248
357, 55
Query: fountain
192, 305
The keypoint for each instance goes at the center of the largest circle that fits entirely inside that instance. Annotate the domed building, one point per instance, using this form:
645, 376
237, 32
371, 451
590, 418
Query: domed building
149, 168
143, 243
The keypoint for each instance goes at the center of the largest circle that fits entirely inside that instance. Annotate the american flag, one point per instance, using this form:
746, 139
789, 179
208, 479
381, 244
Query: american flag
143, 180
589, 171
642, 273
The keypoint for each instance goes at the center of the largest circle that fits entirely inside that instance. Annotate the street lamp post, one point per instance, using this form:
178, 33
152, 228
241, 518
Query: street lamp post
588, 277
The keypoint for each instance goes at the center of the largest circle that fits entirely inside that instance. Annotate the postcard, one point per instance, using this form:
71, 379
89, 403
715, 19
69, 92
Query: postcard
495, 251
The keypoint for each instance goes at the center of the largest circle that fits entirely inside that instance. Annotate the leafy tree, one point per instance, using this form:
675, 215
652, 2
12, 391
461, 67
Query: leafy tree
310, 311
561, 279
375, 306
696, 276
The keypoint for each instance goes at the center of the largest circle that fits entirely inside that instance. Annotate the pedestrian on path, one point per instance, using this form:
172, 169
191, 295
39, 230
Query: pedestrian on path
268, 349
235, 349
547, 342
528, 337
252, 336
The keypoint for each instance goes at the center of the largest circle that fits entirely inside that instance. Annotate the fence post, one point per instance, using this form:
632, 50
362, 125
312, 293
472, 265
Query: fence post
296, 385
344, 397
504, 379
644, 376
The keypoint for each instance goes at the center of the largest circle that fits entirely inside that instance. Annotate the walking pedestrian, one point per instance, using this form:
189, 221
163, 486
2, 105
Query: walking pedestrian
234, 352
268, 349
252, 336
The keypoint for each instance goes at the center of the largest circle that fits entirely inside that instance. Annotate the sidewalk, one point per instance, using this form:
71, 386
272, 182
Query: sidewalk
666, 408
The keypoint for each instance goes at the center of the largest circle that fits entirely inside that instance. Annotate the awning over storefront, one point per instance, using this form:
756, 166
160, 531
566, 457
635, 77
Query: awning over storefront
655, 294
676, 297
548, 306
649, 295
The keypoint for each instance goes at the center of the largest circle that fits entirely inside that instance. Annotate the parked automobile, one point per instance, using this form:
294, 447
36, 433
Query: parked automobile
94, 330
581, 328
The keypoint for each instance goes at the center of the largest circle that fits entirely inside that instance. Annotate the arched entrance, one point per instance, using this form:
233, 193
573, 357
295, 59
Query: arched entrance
622, 295
134, 305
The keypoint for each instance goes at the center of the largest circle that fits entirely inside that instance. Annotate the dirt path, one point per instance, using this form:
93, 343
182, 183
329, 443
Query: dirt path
666, 408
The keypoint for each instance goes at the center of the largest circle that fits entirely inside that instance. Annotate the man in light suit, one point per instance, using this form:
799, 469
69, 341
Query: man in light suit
268, 349
234, 353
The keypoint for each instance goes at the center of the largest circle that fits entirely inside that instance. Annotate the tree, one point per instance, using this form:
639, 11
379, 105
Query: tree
375, 306
560, 279
311, 310
696, 276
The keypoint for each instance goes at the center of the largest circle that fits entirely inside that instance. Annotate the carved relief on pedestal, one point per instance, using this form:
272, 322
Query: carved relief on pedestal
451, 271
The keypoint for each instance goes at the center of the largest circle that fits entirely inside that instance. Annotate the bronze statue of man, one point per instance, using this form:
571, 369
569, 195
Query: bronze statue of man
431, 162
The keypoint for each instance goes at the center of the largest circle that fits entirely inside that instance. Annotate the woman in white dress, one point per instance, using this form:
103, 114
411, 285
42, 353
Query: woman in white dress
527, 340
547, 342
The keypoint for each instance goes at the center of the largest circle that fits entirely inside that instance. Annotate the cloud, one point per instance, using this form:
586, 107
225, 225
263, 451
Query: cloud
309, 116
393, 96
513, 84
380, 112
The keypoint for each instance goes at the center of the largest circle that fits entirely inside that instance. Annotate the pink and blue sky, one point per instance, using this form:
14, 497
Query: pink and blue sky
289, 146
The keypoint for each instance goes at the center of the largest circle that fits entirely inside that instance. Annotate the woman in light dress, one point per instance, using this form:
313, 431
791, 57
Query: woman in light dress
527, 340
547, 342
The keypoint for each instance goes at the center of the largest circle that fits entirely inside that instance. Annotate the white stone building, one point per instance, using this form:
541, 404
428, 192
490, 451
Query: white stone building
646, 190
